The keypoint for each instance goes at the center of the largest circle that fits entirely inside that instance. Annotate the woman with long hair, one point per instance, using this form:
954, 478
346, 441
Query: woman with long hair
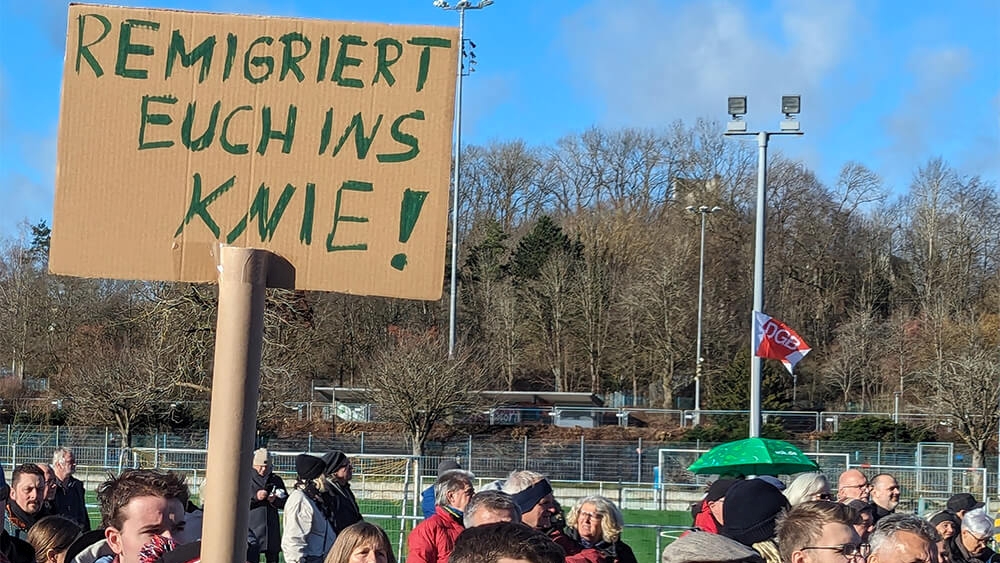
51, 537
362, 542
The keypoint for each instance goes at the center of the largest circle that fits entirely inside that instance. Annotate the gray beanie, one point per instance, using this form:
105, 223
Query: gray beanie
705, 547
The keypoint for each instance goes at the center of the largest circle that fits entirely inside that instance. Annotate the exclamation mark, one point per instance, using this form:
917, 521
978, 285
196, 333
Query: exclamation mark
409, 211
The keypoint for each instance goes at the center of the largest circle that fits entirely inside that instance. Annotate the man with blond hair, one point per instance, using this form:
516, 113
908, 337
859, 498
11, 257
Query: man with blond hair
819, 532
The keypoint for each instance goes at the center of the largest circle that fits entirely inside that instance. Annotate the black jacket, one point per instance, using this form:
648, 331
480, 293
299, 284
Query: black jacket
264, 520
70, 502
15, 550
344, 507
961, 555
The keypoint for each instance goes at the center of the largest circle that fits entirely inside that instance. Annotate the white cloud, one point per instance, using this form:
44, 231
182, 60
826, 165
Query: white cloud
935, 75
650, 64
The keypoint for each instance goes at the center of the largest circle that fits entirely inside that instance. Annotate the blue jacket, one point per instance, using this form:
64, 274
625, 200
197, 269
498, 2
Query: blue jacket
427, 503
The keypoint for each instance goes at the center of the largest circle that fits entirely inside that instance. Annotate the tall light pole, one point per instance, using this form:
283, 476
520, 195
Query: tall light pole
703, 210
790, 106
463, 70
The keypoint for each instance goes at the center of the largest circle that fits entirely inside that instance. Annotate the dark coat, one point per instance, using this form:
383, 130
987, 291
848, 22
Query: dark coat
961, 555
264, 520
70, 502
15, 550
19, 522
344, 507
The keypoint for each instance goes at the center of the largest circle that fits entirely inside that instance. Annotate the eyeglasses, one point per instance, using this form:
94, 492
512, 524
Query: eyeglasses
985, 540
823, 496
865, 485
591, 515
847, 549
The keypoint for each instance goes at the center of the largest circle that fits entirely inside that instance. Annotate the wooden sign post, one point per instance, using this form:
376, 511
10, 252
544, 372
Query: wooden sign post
323, 146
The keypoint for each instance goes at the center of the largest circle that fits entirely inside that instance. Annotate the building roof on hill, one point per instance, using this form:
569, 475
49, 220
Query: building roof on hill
546, 398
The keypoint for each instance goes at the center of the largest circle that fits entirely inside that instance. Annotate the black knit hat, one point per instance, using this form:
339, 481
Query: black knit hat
750, 511
943, 516
718, 489
308, 466
964, 501
334, 460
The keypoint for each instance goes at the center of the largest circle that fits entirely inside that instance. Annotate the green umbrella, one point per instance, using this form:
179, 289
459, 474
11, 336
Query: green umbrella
753, 456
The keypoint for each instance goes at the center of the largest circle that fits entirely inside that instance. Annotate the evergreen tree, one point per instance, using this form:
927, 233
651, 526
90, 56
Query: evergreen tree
538, 245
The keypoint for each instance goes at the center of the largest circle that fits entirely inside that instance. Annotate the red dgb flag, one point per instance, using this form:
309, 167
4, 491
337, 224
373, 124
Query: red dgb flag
774, 340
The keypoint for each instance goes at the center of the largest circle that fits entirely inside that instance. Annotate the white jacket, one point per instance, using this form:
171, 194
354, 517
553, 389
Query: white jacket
306, 534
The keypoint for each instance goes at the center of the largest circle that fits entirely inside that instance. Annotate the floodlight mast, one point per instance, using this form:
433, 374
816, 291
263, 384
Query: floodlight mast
790, 106
460, 7
702, 210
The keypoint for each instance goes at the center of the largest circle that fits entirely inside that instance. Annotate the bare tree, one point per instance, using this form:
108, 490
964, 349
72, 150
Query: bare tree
118, 385
851, 364
414, 383
967, 389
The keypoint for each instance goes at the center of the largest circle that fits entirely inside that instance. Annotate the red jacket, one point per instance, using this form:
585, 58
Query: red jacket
433, 540
705, 521
575, 553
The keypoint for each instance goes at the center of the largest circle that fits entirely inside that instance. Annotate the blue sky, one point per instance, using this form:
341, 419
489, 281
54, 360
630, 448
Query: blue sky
886, 83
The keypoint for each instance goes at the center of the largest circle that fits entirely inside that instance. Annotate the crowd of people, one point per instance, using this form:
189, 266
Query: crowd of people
763, 520
147, 516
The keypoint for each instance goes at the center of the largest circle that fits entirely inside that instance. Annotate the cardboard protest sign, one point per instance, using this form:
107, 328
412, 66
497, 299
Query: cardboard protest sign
326, 143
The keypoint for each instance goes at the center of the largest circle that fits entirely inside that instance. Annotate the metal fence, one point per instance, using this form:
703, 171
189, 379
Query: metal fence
637, 474
633, 463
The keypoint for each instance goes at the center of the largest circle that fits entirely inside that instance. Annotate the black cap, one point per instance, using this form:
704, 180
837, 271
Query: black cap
334, 460
751, 508
718, 489
963, 501
308, 466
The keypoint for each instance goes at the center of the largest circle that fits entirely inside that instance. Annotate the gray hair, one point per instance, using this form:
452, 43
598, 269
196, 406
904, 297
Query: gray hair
805, 486
495, 501
450, 481
889, 526
60, 454
518, 481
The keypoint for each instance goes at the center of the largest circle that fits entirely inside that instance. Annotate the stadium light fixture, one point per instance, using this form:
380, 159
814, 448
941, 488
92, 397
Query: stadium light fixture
463, 71
788, 127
